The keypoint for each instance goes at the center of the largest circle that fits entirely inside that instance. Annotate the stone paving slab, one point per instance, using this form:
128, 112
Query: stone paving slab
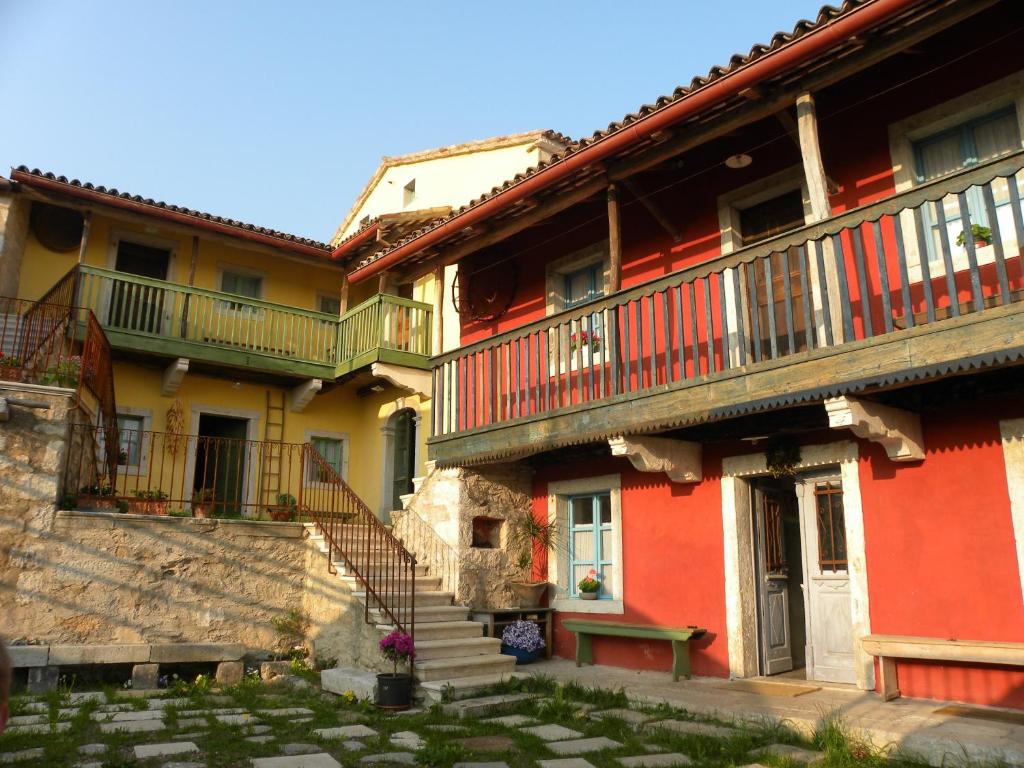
345, 732
259, 739
481, 765
144, 751
190, 735
192, 722
40, 728
179, 764
28, 720
321, 760
259, 729
566, 762
165, 703
485, 705
284, 712
218, 711
582, 746
115, 708
235, 719
796, 754
402, 758
21, 755
407, 740
665, 760
298, 748
353, 746
692, 728
133, 726
491, 743
550, 732
630, 716
511, 721
37, 707
92, 749
443, 728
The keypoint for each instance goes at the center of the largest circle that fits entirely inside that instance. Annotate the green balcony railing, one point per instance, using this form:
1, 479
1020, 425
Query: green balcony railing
163, 318
385, 329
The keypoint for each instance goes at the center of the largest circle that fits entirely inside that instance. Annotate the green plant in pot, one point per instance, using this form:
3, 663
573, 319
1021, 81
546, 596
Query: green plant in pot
202, 502
149, 503
529, 536
97, 496
589, 586
981, 236
286, 509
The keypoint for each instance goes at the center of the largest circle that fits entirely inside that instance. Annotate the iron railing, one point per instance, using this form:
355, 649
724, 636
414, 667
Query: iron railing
421, 538
872, 271
161, 473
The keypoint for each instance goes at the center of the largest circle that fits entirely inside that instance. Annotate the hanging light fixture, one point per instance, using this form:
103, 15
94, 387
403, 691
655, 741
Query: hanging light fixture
738, 161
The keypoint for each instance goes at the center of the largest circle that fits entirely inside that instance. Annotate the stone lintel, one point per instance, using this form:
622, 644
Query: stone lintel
174, 374
303, 394
679, 459
28, 655
413, 379
72, 655
896, 430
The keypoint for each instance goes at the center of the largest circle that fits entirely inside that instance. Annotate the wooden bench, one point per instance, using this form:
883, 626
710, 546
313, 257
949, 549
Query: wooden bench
680, 637
888, 648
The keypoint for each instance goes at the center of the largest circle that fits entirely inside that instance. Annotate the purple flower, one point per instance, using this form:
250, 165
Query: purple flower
523, 635
397, 646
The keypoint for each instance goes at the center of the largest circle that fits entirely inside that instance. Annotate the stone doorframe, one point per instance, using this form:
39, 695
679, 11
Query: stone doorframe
387, 433
737, 529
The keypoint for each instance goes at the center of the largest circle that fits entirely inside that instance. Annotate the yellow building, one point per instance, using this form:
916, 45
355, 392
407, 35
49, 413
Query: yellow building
234, 346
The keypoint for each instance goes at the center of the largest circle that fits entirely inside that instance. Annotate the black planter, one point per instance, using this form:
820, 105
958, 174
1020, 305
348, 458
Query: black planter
394, 691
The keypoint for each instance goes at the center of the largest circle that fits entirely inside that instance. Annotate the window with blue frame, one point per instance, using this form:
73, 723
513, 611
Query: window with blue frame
590, 542
583, 285
970, 143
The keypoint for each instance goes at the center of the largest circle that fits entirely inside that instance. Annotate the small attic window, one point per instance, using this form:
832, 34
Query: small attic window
364, 221
409, 192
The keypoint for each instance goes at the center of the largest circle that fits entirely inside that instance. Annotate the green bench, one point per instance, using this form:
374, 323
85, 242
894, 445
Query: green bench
680, 637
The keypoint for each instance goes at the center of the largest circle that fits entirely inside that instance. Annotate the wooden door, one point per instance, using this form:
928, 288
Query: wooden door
136, 307
403, 457
773, 582
830, 639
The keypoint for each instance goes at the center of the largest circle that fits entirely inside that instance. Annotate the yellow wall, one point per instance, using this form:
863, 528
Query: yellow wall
288, 281
341, 410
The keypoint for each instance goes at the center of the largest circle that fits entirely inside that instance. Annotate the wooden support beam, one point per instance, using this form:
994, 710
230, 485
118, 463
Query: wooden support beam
193, 261
648, 202
343, 298
896, 430
614, 241
789, 126
679, 459
86, 222
173, 376
437, 317
303, 394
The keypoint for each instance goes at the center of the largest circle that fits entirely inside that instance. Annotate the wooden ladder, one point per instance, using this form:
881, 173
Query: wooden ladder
273, 436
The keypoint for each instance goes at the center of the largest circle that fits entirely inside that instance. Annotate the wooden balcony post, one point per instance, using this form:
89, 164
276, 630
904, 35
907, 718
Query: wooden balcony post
194, 261
821, 209
343, 297
86, 222
614, 241
437, 331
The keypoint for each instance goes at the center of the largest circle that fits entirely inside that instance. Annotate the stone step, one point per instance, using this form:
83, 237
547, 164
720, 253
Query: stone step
462, 694
462, 666
425, 598
436, 613
423, 583
427, 650
373, 569
442, 630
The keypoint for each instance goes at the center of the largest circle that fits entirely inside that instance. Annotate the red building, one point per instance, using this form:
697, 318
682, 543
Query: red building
758, 347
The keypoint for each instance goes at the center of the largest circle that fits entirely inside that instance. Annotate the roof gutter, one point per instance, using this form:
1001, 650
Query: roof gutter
772, 63
31, 180
360, 238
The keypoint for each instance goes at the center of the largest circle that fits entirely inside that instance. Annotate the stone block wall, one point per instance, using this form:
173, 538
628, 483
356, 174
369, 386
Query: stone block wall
447, 501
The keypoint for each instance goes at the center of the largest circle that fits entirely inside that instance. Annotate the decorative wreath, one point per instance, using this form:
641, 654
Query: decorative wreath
485, 293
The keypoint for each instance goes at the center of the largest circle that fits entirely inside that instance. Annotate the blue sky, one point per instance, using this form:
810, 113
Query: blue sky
277, 113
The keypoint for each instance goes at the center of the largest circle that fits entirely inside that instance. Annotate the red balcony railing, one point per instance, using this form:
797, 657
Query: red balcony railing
944, 249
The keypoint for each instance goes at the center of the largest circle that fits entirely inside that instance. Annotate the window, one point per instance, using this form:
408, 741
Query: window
967, 144
828, 500
329, 304
589, 511
772, 217
590, 542
583, 285
242, 284
409, 193
130, 430
332, 449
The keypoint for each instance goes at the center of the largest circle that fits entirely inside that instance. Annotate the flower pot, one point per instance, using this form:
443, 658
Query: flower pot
521, 656
394, 691
588, 595
980, 244
158, 508
10, 373
528, 593
281, 514
200, 510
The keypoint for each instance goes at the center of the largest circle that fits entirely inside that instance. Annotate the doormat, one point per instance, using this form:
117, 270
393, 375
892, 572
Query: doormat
766, 688
981, 713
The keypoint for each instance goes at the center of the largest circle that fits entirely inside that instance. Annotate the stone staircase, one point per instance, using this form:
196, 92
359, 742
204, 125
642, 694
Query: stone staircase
453, 658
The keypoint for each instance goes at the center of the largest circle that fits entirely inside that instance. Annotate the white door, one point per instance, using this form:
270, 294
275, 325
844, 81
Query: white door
773, 570
830, 640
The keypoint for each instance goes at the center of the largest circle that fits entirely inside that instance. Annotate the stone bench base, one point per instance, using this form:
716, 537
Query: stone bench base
44, 661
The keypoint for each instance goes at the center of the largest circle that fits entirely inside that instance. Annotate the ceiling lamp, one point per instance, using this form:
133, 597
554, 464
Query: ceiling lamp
738, 161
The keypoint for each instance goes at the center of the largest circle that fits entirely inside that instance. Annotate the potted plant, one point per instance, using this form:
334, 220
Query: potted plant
98, 496
394, 689
149, 503
589, 586
982, 236
68, 371
528, 536
10, 368
202, 502
522, 639
286, 508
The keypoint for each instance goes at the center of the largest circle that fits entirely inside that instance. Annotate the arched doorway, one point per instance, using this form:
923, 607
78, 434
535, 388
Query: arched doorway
399, 458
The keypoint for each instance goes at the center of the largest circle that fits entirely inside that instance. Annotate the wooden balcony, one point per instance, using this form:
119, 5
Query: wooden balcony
869, 298
155, 317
